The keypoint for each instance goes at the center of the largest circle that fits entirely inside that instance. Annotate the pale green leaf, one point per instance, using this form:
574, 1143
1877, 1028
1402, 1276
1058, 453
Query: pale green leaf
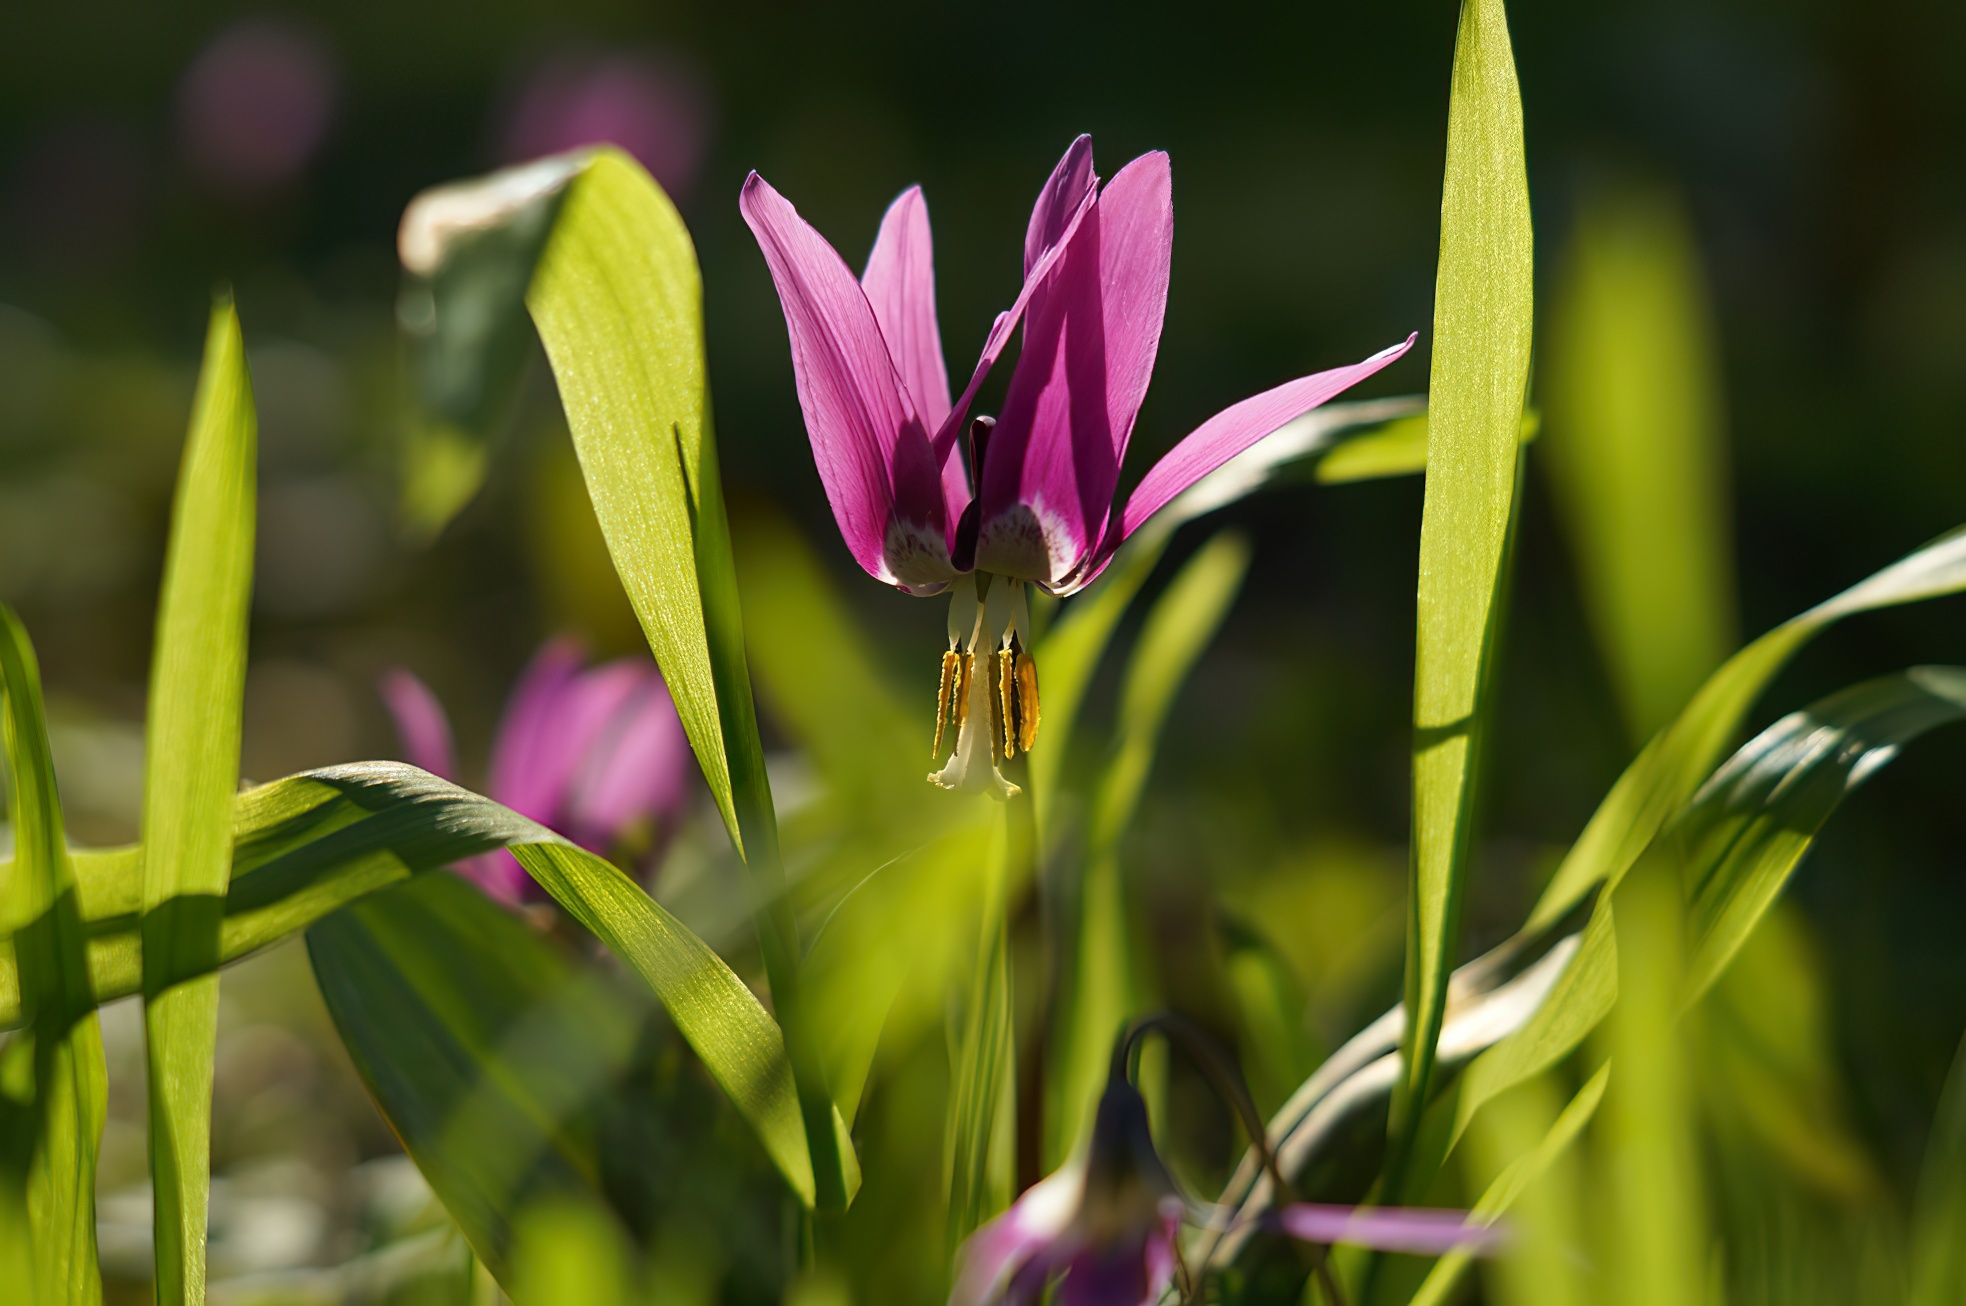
53, 1091
191, 769
1636, 449
1397, 449
979, 1159
1482, 315
1101, 992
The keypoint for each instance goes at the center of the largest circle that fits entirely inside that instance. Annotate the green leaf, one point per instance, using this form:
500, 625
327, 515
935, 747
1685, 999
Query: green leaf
1512, 1182
1667, 771
1482, 314
1735, 846
1102, 993
1396, 449
480, 1044
1759, 815
980, 1160
53, 1089
619, 306
312, 843
1938, 1256
1636, 452
191, 769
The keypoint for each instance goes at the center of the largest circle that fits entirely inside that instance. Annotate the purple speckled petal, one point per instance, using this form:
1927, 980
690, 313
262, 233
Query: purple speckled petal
1089, 348
638, 769
1059, 214
421, 726
1415, 1230
867, 439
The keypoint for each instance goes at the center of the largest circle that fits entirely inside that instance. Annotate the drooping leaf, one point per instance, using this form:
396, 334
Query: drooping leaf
1102, 993
1636, 451
312, 843
1735, 846
53, 1087
1667, 771
191, 769
1509, 1186
1482, 315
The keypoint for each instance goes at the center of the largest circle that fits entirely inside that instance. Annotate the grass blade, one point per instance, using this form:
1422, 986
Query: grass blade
49, 1144
1636, 453
1102, 992
197, 687
979, 1149
1938, 1256
1482, 314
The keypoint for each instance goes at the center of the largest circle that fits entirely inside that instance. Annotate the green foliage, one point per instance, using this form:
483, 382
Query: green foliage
1635, 450
53, 1088
197, 689
1938, 1260
1482, 313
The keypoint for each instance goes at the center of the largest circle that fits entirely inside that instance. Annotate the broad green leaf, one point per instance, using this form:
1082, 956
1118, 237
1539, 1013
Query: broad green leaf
1514, 1180
1938, 1256
191, 769
1102, 993
1735, 847
480, 1044
312, 843
53, 1090
1754, 820
1636, 450
618, 303
1482, 313
1666, 772
572, 1252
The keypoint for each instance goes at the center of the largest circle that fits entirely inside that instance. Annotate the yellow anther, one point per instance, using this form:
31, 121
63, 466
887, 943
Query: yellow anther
1027, 701
945, 698
1006, 682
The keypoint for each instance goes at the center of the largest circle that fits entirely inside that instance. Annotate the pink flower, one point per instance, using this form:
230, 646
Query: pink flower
1032, 502
597, 755
1104, 1228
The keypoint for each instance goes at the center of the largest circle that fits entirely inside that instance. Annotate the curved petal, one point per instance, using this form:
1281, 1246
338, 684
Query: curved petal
867, 439
1068, 195
900, 286
996, 1252
1417, 1231
1221, 438
1089, 349
421, 725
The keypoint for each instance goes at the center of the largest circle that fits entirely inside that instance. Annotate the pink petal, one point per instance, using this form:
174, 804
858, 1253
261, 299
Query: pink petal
867, 439
1416, 1231
1067, 197
637, 769
520, 776
421, 725
1033, 1225
1089, 349
1225, 435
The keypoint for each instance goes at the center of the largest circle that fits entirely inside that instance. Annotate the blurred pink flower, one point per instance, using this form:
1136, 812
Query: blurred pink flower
255, 104
597, 755
654, 107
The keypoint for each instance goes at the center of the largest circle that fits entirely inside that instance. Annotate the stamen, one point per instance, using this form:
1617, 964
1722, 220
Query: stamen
962, 690
1006, 682
945, 698
1028, 712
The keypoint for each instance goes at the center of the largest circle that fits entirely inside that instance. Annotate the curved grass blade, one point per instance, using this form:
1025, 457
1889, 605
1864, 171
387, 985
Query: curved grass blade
53, 1088
1102, 992
1672, 766
1482, 315
1735, 846
191, 769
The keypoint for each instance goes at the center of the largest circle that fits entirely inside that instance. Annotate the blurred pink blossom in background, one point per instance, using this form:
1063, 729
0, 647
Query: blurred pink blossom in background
651, 105
256, 103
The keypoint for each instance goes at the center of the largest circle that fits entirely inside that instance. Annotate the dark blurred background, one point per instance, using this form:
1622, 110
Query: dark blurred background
149, 152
